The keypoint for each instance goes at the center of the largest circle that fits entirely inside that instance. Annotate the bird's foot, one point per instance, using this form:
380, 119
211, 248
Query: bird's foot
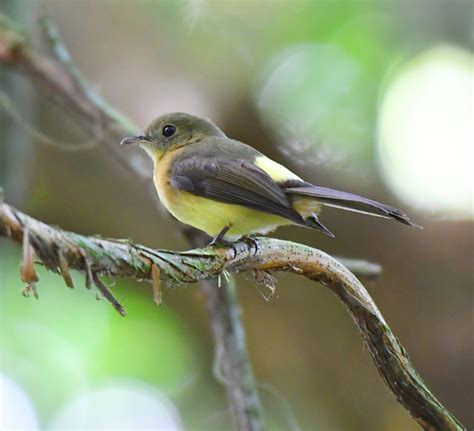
252, 242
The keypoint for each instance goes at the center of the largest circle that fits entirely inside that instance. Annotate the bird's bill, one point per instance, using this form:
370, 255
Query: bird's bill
133, 140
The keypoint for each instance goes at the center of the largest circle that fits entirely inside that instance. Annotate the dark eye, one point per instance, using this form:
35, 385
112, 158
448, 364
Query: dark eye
168, 130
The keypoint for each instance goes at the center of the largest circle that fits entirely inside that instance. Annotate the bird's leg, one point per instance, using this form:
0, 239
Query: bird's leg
219, 238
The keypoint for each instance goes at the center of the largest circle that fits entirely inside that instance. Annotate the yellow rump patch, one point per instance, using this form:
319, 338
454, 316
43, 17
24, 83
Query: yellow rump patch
277, 172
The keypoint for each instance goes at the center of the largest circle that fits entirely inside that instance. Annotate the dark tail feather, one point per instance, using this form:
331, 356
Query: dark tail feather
350, 202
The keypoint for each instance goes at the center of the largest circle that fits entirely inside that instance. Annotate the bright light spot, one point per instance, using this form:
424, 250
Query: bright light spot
194, 11
314, 96
16, 409
425, 132
121, 405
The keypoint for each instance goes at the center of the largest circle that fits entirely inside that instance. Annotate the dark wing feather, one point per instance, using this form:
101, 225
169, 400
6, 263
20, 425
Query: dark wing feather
237, 182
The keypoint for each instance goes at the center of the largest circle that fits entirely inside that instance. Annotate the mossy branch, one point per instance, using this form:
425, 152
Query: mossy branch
60, 251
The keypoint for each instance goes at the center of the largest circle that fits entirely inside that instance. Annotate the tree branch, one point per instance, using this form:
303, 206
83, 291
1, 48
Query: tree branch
57, 249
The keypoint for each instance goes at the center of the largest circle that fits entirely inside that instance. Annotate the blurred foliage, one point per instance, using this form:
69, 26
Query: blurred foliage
73, 340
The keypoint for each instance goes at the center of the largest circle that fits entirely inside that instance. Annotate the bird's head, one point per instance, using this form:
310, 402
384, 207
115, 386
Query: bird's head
171, 131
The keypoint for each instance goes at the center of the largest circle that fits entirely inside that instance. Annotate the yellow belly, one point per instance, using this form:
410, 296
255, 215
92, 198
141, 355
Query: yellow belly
212, 216
208, 215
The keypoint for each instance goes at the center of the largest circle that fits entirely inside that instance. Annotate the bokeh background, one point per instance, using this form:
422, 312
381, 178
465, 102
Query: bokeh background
374, 98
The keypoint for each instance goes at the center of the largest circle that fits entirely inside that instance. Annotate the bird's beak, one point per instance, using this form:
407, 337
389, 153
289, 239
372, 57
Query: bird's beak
133, 140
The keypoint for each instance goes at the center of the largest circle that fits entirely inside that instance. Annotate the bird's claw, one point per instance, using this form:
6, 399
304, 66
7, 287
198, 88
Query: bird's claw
252, 242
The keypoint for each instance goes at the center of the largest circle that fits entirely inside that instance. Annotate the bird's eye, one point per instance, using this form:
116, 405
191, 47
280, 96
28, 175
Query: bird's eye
168, 130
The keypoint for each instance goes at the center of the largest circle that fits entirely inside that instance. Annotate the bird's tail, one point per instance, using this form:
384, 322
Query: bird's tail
346, 201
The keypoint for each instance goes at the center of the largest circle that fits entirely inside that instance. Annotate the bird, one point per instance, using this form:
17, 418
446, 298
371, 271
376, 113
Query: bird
230, 190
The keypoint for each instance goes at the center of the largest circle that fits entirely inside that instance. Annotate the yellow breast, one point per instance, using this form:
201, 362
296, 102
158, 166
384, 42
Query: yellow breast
206, 214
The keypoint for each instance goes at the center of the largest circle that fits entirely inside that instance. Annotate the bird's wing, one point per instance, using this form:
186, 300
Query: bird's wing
232, 181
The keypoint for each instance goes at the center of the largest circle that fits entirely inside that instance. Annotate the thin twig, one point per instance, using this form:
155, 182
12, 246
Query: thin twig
36, 135
108, 295
64, 57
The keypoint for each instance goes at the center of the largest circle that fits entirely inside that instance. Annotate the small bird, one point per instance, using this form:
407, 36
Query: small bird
230, 190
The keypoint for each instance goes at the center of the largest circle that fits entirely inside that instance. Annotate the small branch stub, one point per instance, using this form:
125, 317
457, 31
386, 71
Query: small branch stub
64, 266
156, 284
28, 272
